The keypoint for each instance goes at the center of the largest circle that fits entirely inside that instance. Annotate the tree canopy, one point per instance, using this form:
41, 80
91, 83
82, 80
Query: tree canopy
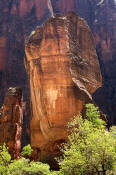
91, 148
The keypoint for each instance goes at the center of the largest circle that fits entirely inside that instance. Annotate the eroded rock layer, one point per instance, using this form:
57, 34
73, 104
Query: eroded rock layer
63, 70
11, 116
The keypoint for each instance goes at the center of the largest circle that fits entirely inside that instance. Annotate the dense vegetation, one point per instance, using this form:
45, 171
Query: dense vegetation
22, 166
90, 150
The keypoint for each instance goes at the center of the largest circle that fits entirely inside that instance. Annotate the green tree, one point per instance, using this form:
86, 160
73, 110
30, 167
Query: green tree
91, 149
5, 159
25, 167
22, 166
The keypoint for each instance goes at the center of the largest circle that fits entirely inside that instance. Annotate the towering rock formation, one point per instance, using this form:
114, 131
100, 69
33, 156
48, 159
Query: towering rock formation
11, 116
63, 71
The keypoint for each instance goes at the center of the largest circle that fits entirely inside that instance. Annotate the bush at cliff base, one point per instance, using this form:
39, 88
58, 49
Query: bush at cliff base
22, 166
91, 148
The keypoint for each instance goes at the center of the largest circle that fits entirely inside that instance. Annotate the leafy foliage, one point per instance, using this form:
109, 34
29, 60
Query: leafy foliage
25, 167
5, 159
93, 115
27, 150
91, 149
22, 166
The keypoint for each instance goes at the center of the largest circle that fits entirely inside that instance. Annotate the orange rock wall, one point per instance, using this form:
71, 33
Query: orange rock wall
63, 70
11, 117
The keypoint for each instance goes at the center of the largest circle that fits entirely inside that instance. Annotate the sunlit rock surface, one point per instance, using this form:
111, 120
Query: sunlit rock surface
63, 71
11, 117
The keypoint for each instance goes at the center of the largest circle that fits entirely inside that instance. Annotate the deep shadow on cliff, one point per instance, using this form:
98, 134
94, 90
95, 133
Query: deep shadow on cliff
104, 30
105, 98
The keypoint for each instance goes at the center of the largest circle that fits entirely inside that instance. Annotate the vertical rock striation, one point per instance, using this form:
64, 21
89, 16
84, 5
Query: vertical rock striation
63, 71
11, 116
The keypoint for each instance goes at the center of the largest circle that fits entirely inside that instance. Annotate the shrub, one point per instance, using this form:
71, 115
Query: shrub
91, 149
22, 166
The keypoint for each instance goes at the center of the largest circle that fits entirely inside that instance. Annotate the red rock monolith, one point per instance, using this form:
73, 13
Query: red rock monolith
63, 70
11, 117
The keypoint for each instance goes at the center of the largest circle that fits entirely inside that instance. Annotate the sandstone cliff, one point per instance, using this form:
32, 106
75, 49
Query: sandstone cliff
63, 71
11, 116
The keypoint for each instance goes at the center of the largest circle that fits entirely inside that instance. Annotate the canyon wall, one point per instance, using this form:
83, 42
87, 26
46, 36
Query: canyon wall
11, 117
17, 19
105, 37
63, 71
101, 17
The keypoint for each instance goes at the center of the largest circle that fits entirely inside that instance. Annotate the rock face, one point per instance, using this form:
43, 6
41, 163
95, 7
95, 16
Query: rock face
105, 38
17, 19
63, 71
63, 7
11, 116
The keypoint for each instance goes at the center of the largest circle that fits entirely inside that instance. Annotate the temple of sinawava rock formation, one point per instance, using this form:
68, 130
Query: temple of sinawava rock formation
63, 70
